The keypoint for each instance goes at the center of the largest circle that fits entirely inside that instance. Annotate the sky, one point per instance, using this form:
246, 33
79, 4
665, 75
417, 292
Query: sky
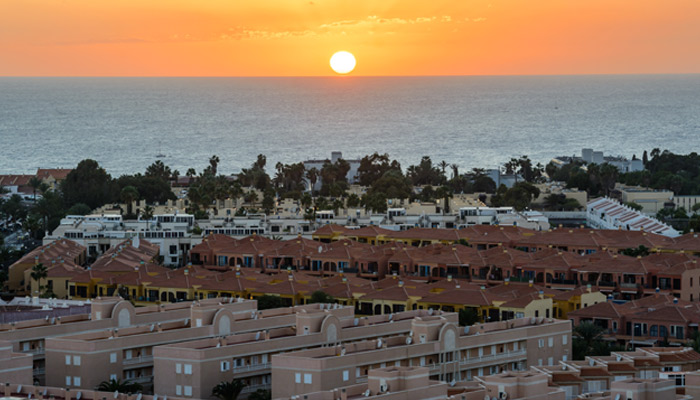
298, 37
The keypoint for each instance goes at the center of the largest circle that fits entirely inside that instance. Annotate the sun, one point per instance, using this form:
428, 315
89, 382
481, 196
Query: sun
343, 62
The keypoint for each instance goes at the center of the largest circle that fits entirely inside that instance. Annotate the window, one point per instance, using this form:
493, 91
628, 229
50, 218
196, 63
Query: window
68, 381
654, 331
264, 359
493, 349
113, 377
422, 361
178, 390
178, 368
515, 346
550, 342
225, 366
25, 346
307, 379
68, 360
188, 369
540, 343
481, 351
564, 357
113, 357
358, 372
346, 376
550, 361
76, 360
188, 390
297, 378
76, 381
564, 339
127, 354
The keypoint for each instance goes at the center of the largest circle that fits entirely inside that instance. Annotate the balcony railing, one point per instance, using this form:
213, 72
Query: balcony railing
138, 360
254, 388
252, 367
490, 357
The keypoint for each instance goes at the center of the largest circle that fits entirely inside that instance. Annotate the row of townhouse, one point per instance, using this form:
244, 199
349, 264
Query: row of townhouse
647, 321
153, 284
628, 277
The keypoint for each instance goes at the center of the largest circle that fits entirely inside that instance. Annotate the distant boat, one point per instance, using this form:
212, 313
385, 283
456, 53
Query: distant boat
160, 155
160, 151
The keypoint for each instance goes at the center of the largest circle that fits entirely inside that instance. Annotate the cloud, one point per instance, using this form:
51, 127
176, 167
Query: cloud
371, 23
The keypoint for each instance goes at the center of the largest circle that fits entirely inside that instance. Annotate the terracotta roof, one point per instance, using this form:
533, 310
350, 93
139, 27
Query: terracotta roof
58, 174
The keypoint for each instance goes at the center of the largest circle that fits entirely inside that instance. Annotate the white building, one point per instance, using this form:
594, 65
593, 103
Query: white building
606, 213
335, 156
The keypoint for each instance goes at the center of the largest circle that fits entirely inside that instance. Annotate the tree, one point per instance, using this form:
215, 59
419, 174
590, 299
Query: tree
128, 195
373, 167
228, 390
35, 182
49, 210
642, 251
312, 176
3, 279
159, 170
88, 183
79, 209
354, 201
38, 273
116, 385
266, 302
320, 296
468, 317
586, 336
214, 164
261, 394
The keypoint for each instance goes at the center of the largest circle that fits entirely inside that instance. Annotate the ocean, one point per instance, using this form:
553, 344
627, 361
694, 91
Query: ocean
483, 121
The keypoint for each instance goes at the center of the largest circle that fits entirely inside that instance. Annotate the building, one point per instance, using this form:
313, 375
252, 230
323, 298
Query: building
589, 156
449, 352
335, 156
59, 257
606, 213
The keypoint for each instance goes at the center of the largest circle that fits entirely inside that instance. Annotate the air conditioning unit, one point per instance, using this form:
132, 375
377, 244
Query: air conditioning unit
383, 388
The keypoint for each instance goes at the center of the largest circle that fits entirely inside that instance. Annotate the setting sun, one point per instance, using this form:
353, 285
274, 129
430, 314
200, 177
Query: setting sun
343, 62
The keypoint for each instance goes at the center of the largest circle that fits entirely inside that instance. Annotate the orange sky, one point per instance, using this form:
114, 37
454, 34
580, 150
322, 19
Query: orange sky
297, 37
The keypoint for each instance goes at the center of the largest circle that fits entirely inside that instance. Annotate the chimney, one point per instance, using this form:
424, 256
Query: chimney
506, 281
588, 288
530, 283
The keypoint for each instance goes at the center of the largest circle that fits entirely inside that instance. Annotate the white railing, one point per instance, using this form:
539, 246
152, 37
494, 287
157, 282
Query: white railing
491, 357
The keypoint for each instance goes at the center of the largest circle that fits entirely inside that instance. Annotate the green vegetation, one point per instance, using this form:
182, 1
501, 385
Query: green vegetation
468, 317
588, 341
261, 394
266, 302
320, 296
228, 390
642, 251
520, 196
116, 385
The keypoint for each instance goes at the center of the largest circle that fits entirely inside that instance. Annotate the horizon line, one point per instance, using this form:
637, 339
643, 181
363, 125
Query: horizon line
357, 76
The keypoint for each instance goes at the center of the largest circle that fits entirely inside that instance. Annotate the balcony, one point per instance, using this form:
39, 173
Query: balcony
251, 367
138, 360
500, 357
254, 388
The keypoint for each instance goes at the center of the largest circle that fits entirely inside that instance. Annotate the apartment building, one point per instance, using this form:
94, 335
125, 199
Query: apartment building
196, 366
409, 383
29, 336
172, 233
127, 353
449, 352
15, 390
14, 367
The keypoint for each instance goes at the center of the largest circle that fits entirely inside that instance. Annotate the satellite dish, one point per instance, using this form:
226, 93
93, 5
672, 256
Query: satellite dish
409, 340
77, 396
29, 396
46, 390
379, 343
187, 321
116, 394
356, 322
591, 362
487, 397
391, 317
217, 345
453, 383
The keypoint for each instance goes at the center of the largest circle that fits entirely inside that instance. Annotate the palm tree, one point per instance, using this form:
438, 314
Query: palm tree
455, 170
261, 394
312, 176
228, 390
35, 182
38, 273
115, 385
128, 195
214, 164
147, 214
